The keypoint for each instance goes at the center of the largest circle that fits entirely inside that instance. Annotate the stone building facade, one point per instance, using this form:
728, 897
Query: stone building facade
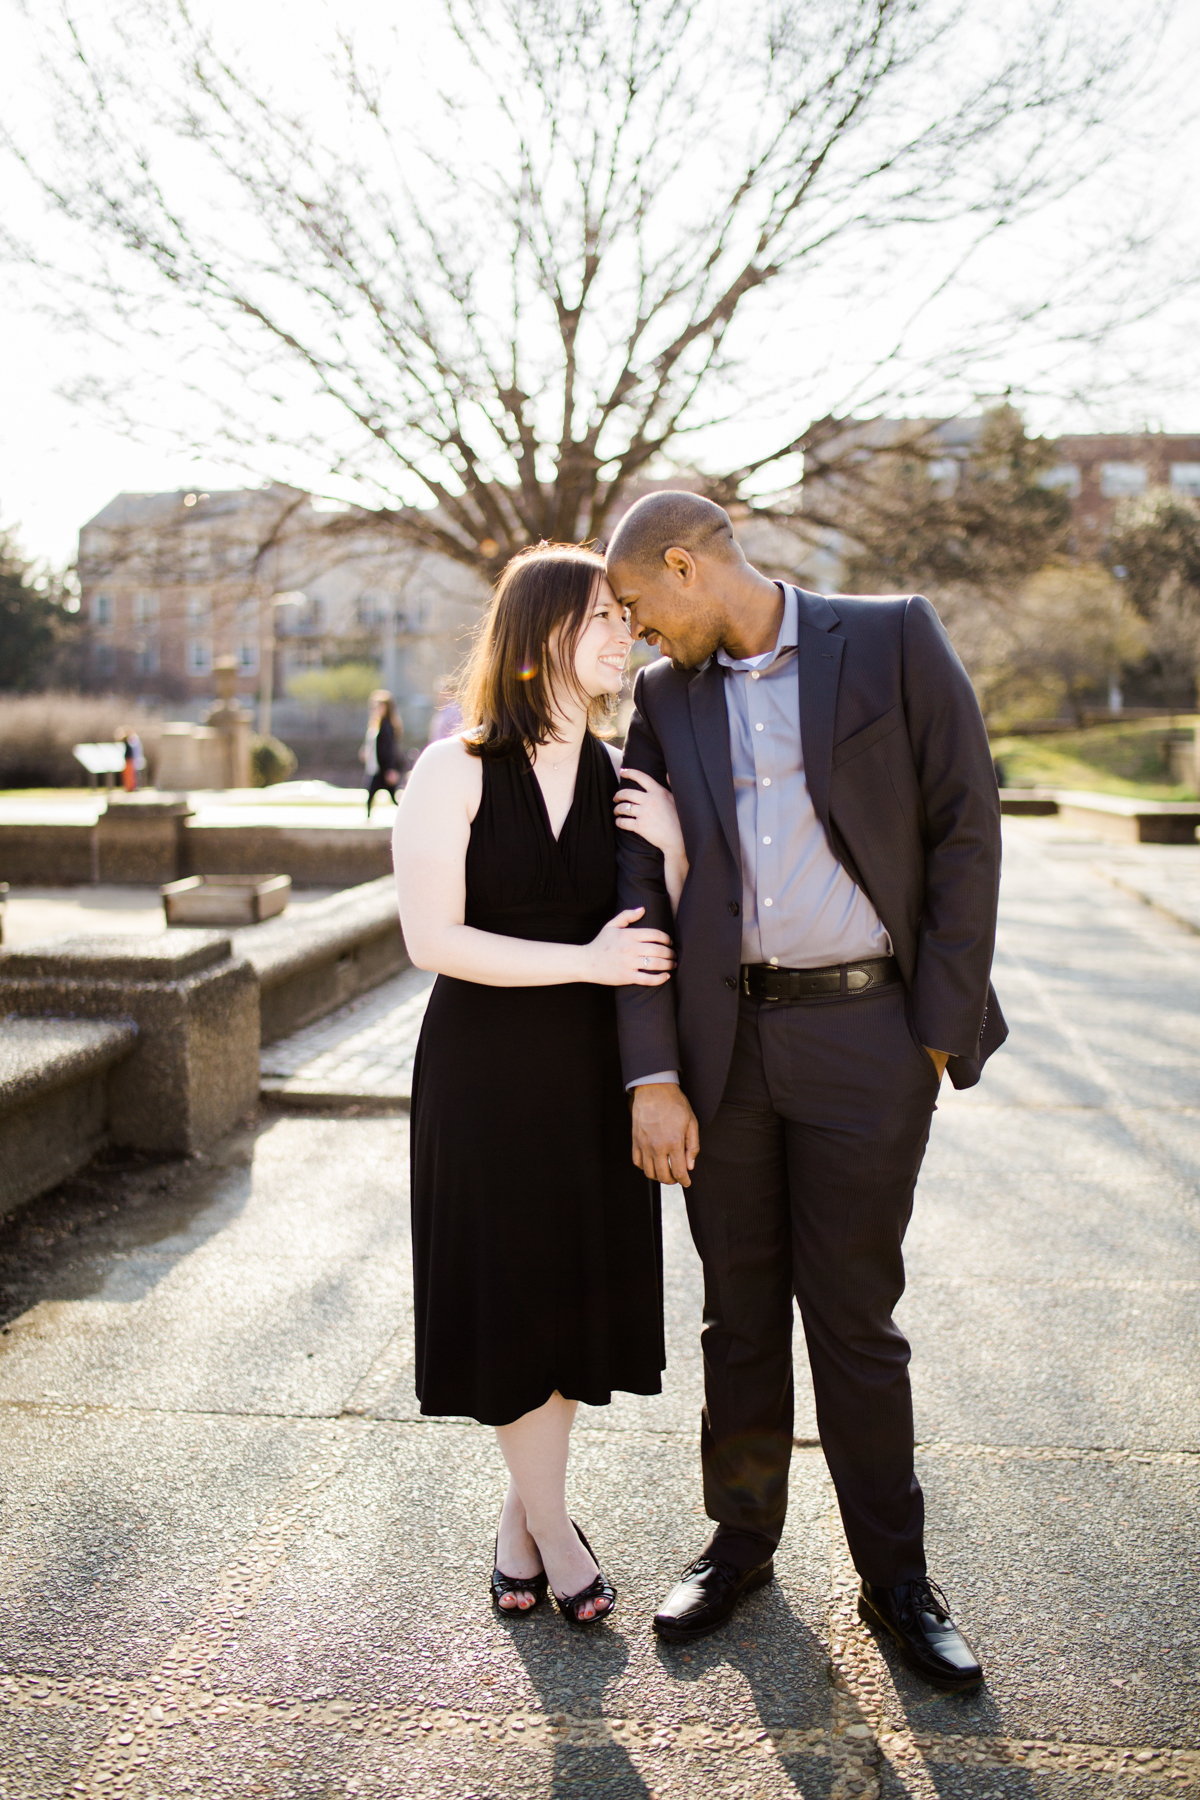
170, 582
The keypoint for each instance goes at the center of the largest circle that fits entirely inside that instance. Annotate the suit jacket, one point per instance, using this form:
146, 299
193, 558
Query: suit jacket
900, 773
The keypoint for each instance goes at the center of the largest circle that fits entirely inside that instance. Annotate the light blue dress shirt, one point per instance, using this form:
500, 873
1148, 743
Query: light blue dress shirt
800, 909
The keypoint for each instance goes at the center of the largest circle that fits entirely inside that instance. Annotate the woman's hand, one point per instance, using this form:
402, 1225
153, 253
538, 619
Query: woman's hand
620, 956
651, 813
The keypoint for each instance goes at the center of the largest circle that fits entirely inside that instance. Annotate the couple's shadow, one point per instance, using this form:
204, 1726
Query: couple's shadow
620, 1671
767, 1670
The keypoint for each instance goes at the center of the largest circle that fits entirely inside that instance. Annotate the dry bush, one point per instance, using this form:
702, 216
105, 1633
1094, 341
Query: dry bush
38, 730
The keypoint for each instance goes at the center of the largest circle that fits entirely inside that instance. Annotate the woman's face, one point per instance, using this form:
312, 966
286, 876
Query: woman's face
604, 644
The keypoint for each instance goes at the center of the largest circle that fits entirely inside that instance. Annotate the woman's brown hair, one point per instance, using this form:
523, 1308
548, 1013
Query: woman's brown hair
507, 687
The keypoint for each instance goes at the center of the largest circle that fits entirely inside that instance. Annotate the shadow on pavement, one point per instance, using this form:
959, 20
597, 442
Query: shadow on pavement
571, 1677
142, 1212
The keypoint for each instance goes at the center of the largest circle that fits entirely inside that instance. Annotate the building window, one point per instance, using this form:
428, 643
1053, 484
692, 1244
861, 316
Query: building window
1118, 480
104, 659
104, 610
147, 659
1064, 476
1185, 479
199, 656
199, 609
145, 609
247, 656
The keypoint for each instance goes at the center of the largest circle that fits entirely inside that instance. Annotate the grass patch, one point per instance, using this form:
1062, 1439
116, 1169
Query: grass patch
1105, 759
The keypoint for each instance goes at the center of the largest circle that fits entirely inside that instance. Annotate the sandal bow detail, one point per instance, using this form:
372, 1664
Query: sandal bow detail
599, 1588
516, 1584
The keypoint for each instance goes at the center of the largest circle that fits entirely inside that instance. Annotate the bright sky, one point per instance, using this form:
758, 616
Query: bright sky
59, 463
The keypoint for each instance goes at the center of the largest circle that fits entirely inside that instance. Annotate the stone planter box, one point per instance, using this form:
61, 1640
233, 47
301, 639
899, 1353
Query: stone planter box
225, 899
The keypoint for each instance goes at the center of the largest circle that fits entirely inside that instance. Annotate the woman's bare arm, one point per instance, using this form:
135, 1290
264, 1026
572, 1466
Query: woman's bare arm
645, 806
429, 839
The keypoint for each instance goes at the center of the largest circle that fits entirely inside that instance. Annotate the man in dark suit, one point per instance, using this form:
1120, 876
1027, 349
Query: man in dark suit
834, 938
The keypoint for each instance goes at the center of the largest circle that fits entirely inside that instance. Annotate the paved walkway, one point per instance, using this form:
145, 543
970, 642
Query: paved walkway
238, 1562
363, 1051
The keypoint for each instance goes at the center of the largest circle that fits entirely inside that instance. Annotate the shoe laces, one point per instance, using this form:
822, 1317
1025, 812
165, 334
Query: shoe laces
925, 1595
708, 1562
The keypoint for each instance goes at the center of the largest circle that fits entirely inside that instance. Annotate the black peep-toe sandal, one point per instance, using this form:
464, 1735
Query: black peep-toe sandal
600, 1588
516, 1584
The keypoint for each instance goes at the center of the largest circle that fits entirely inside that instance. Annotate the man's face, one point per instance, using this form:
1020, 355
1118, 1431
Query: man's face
675, 607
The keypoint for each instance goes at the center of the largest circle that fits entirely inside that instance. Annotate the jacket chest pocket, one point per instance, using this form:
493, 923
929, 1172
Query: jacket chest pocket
868, 736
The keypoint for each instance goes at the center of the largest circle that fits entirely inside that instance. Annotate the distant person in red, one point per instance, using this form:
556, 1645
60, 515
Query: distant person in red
135, 760
447, 716
381, 747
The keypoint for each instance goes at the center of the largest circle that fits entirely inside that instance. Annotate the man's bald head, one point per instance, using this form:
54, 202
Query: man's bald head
672, 520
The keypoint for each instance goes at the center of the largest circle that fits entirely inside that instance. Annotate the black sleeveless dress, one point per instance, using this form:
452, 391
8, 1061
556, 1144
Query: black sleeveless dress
537, 1244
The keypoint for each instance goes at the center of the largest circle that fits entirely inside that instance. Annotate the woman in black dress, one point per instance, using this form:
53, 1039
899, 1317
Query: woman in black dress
536, 1243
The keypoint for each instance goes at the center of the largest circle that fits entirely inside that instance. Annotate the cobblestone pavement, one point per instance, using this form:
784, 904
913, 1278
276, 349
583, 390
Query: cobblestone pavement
236, 1560
364, 1050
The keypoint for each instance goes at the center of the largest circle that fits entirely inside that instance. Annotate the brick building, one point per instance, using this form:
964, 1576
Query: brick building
169, 582
1099, 471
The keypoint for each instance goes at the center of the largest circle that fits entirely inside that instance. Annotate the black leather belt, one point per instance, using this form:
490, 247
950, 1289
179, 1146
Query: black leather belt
763, 981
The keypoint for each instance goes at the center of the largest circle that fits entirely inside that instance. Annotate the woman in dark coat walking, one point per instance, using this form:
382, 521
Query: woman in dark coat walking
381, 747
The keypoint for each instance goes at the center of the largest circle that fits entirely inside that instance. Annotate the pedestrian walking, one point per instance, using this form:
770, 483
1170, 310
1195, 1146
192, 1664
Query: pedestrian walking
842, 832
381, 747
135, 759
536, 1243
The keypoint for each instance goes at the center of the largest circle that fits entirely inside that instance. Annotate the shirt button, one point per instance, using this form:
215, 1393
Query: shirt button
775, 960
766, 840
768, 903
758, 728
766, 781
754, 674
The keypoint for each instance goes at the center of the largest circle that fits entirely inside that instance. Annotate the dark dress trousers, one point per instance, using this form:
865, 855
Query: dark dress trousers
814, 1114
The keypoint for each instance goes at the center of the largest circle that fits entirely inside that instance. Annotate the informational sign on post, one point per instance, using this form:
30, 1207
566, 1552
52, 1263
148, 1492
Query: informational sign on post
100, 759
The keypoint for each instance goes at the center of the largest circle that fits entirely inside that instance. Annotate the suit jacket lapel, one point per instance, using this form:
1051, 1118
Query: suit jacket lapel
819, 659
710, 723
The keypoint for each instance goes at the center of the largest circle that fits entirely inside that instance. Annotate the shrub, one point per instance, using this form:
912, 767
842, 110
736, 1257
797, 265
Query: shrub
270, 761
38, 730
347, 684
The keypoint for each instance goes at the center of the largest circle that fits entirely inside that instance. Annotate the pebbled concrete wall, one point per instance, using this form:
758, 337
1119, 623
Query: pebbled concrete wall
54, 1077
193, 1071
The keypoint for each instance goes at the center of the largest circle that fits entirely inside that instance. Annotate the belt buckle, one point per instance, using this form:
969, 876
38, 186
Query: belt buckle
857, 980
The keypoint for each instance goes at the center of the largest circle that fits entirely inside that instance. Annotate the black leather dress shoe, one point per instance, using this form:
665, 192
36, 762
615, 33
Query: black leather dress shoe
705, 1595
917, 1615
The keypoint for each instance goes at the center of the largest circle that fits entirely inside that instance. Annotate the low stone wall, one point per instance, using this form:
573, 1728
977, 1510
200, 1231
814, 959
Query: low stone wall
153, 1042
172, 845
316, 960
54, 1099
48, 855
338, 856
193, 1070
1125, 820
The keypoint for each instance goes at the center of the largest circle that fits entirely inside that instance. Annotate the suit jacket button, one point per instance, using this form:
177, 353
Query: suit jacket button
734, 908
730, 982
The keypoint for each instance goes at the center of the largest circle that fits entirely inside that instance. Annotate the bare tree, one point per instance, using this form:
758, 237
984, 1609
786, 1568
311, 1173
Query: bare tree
964, 521
492, 320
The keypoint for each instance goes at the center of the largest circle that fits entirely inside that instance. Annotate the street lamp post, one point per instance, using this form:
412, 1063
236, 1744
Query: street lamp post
266, 655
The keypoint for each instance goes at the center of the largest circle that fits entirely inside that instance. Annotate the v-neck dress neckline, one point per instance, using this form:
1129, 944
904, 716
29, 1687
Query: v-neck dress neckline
541, 794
